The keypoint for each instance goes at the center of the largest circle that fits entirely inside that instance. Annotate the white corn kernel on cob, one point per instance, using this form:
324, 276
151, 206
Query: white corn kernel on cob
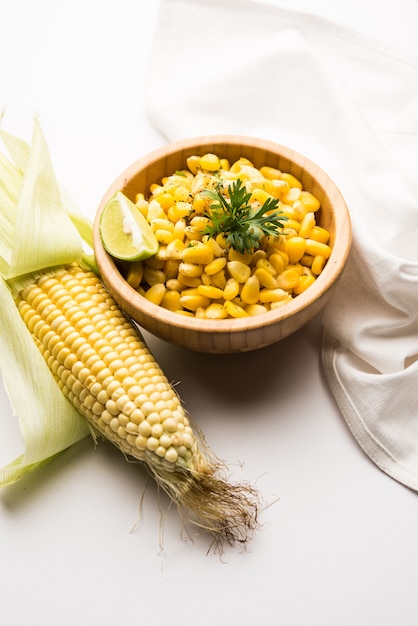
103, 366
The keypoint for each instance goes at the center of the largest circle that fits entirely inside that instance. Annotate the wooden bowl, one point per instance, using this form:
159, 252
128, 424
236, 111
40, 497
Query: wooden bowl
230, 335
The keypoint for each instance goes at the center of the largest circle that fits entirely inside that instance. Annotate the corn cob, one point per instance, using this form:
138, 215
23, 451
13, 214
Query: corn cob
103, 366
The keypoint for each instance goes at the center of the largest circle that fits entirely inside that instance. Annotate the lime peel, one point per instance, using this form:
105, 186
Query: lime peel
125, 232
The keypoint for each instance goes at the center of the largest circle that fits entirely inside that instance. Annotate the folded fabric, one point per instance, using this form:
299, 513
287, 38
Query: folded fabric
349, 103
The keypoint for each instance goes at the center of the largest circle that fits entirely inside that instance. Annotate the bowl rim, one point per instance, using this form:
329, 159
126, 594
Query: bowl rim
123, 292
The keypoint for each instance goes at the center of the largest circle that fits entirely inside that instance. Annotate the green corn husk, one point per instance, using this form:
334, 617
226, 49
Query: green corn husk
51, 234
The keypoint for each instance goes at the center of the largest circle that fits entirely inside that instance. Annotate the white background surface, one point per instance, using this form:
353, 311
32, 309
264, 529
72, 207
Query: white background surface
339, 547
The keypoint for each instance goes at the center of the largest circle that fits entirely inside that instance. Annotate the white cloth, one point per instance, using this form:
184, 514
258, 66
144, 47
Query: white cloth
350, 104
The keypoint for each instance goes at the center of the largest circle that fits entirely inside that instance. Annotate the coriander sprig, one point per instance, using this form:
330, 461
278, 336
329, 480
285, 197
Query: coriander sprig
233, 216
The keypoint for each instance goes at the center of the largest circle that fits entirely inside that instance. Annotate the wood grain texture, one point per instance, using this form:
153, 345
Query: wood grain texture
230, 335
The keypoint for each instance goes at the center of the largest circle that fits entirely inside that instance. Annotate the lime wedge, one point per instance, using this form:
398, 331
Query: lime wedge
124, 231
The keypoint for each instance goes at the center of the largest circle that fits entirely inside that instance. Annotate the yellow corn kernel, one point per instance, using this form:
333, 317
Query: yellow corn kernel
192, 302
191, 270
305, 281
273, 295
306, 260
221, 241
310, 201
216, 311
214, 245
231, 289
307, 224
171, 300
265, 278
153, 276
234, 310
179, 229
292, 180
210, 162
142, 204
171, 268
260, 195
275, 263
255, 309
192, 234
155, 293
155, 210
163, 237
250, 291
199, 253
161, 223
173, 284
242, 257
193, 163
270, 172
201, 203
319, 234
318, 264
288, 279
292, 196
189, 281
166, 200
219, 279
206, 280
279, 189
178, 211
175, 249
134, 274
317, 248
292, 224
239, 271
200, 223
215, 266
181, 193
214, 293
296, 247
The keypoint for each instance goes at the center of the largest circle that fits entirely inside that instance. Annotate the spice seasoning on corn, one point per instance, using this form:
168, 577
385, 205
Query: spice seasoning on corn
234, 240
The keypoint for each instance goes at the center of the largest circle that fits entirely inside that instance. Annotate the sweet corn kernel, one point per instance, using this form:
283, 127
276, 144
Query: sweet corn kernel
163, 236
250, 291
273, 295
215, 266
214, 293
231, 289
239, 271
175, 249
171, 300
310, 201
255, 309
153, 276
135, 274
210, 162
318, 264
234, 310
296, 247
270, 172
307, 224
292, 180
288, 279
319, 234
198, 253
216, 311
304, 282
317, 248
265, 278
155, 293
193, 302
178, 211
191, 270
